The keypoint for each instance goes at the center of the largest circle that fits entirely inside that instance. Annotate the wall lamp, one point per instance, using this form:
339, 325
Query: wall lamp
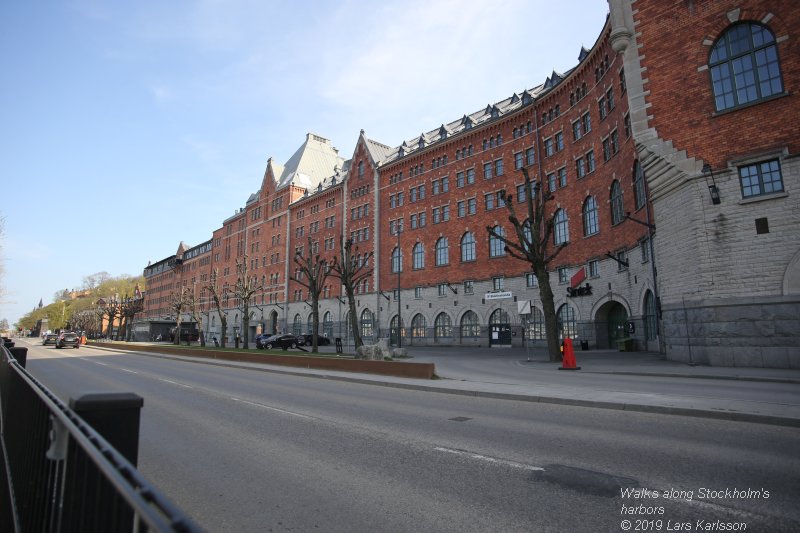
713, 187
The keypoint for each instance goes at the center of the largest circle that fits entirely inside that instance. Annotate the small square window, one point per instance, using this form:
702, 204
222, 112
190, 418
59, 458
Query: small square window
442, 287
531, 281
498, 283
418, 292
469, 287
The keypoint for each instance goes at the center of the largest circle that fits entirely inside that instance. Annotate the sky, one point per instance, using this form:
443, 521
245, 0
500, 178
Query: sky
128, 127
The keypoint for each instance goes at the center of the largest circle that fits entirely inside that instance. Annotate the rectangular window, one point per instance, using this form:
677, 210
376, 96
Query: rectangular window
563, 275
614, 142
622, 260
606, 149
470, 176
445, 184
627, 122
594, 268
460, 179
590, 161
472, 206
576, 130
436, 215
462, 208
601, 107
610, 98
418, 293
442, 288
413, 221
445, 213
587, 123
500, 201
469, 287
421, 192
562, 177
548, 147
551, 182
435, 187
498, 283
412, 195
489, 200
580, 168
395, 294
644, 246
559, 141
530, 156
498, 167
761, 178
518, 161
422, 220
531, 281
487, 170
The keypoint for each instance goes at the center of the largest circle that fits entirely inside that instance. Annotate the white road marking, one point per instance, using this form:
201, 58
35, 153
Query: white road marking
129, 370
284, 411
175, 383
487, 459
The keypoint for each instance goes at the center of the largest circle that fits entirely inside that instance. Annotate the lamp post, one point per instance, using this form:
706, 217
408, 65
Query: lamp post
398, 230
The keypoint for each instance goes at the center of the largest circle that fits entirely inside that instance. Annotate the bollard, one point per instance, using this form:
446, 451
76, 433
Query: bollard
20, 353
115, 416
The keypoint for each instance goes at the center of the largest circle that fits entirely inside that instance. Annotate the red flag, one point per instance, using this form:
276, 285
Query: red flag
579, 276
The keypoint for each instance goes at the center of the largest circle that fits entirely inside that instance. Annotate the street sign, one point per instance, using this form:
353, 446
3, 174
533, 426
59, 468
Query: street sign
498, 295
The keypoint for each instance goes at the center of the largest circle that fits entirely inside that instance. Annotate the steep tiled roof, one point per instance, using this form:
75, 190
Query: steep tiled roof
310, 164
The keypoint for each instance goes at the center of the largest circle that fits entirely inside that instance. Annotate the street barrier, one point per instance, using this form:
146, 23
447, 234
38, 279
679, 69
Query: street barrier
57, 473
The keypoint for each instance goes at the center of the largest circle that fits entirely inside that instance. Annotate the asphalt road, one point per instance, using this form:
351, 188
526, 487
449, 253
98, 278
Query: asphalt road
246, 450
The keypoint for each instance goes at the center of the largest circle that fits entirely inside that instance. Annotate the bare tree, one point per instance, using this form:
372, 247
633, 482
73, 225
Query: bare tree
219, 296
128, 309
532, 241
244, 290
111, 311
177, 304
193, 306
351, 268
312, 271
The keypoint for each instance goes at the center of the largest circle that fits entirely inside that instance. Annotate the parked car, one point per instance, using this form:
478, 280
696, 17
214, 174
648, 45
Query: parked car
308, 340
49, 338
287, 340
68, 339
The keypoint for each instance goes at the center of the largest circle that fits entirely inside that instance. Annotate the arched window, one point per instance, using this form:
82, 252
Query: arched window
560, 227
590, 226
310, 323
535, 327
366, 323
419, 256
650, 319
499, 316
418, 326
360, 168
496, 244
469, 325
744, 66
393, 328
566, 322
468, 247
297, 325
327, 324
397, 260
442, 326
442, 252
639, 191
617, 207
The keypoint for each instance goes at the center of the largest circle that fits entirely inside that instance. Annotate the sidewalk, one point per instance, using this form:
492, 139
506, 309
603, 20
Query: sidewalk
608, 379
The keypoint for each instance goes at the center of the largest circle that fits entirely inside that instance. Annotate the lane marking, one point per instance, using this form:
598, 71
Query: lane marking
284, 411
129, 370
175, 383
488, 459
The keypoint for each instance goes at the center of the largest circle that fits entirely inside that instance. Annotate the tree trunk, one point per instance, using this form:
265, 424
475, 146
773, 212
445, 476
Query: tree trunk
315, 323
246, 327
354, 322
550, 320
223, 321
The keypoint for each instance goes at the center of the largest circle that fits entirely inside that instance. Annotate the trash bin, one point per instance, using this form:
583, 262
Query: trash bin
584, 345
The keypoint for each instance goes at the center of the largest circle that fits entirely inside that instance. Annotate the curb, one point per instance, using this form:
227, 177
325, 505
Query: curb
695, 376
733, 416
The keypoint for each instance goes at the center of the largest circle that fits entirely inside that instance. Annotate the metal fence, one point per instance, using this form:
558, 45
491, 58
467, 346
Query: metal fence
62, 475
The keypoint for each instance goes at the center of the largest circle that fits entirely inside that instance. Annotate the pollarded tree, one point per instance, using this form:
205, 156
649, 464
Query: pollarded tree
533, 241
177, 304
352, 268
246, 287
311, 273
219, 296
193, 306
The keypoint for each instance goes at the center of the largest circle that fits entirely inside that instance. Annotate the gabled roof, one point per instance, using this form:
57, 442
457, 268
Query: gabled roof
311, 163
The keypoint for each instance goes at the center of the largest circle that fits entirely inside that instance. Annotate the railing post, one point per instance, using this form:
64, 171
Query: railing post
20, 353
115, 415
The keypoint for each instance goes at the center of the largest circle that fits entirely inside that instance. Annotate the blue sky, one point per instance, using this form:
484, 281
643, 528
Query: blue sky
126, 127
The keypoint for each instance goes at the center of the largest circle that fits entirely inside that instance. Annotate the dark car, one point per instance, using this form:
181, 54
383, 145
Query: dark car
68, 339
49, 338
308, 340
287, 340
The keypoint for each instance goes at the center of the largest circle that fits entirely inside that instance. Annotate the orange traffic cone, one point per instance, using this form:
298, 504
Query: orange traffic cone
568, 359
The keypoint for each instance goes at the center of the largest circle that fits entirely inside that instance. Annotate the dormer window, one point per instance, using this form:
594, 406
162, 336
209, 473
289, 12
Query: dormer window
526, 98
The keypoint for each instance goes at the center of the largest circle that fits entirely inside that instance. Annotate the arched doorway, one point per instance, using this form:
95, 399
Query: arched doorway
611, 322
499, 329
273, 323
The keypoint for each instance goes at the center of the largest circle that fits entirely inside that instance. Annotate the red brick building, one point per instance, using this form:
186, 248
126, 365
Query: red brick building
714, 114
629, 142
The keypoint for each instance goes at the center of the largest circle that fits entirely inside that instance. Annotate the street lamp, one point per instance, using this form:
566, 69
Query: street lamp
398, 231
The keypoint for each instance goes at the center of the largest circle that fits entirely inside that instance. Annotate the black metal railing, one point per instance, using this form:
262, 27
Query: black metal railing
61, 475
